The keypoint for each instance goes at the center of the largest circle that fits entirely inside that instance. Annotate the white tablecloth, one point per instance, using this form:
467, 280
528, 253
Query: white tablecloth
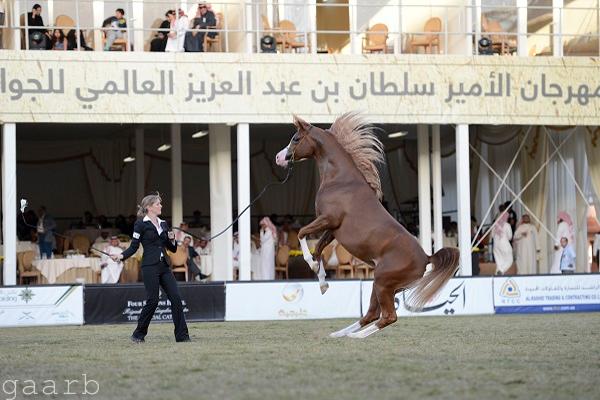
22, 247
53, 268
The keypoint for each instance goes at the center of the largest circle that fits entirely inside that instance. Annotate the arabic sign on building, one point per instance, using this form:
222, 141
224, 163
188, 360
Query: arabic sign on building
539, 294
459, 297
218, 88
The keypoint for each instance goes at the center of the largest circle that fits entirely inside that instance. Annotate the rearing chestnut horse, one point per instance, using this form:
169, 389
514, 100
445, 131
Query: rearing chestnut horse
348, 209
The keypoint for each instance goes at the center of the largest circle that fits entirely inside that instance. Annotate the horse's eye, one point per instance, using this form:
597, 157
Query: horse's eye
295, 139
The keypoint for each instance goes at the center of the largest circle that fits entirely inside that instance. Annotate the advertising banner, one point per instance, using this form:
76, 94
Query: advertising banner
551, 293
41, 305
115, 304
292, 300
461, 296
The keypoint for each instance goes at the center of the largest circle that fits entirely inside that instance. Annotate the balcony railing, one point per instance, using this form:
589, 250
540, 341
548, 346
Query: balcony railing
307, 27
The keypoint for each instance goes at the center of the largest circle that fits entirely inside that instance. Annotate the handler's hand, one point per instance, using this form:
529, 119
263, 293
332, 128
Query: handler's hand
171, 235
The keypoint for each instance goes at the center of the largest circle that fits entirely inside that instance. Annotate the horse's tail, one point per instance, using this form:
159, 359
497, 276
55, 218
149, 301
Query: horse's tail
445, 265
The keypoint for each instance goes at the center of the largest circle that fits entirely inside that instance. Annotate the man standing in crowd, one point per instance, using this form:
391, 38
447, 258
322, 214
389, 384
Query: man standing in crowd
203, 249
526, 247
45, 230
564, 229
176, 36
111, 270
567, 259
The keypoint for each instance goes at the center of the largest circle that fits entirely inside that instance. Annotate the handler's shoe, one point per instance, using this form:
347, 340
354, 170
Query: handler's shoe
137, 340
184, 340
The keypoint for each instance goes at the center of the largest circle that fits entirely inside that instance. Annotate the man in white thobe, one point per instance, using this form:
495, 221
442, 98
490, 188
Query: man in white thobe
176, 36
526, 246
204, 250
111, 270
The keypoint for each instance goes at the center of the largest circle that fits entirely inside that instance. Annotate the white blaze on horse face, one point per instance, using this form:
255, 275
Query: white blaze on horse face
280, 158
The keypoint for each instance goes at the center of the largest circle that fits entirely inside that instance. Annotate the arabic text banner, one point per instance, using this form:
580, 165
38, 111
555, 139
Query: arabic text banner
41, 305
291, 300
541, 294
268, 88
461, 296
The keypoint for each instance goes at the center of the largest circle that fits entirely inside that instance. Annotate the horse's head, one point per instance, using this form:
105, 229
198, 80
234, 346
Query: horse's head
302, 145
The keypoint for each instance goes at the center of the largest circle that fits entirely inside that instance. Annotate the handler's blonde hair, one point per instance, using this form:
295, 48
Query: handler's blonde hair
146, 202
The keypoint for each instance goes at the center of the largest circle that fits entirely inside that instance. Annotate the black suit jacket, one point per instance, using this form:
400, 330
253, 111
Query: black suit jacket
145, 232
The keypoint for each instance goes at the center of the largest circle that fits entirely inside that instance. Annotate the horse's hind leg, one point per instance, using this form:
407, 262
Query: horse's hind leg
371, 315
385, 292
374, 309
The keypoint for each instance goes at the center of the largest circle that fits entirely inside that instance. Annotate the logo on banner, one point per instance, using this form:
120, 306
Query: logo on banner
26, 295
26, 316
292, 292
449, 302
509, 289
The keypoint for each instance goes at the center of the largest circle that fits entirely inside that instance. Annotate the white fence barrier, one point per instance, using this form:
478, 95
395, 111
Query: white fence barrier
542, 294
461, 296
41, 305
291, 300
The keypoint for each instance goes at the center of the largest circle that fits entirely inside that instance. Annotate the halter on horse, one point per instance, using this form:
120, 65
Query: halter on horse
348, 208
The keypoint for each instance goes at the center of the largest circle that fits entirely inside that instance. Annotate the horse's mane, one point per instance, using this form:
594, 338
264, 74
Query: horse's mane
357, 136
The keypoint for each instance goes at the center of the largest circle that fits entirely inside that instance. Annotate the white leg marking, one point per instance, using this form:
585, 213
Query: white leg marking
367, 331
428, 269
308, 257
343, 332
322, 284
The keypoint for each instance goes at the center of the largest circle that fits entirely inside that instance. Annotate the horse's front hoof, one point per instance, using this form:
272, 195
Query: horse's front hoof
324, 286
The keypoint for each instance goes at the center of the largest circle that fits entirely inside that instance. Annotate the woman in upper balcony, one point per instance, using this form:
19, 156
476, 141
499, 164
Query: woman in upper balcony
59, 40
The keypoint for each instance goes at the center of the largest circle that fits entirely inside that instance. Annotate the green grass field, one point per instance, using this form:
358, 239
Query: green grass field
493, 357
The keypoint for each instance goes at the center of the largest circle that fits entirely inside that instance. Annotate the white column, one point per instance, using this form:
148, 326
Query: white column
243, 197
477, 22
16, 22
398, 42
312, 26
98, 18
557, 20
468, 27
138, 15
9, 203
464, 198
176, 186
220, 200
50, 11
140, 179
424, 187
355, 44
522, 28
249, 36
436, 176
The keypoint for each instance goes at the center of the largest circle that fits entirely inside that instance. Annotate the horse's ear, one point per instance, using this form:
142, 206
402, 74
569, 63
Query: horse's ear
301, 124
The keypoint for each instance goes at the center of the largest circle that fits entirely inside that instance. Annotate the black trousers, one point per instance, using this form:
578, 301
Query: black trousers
155, 275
